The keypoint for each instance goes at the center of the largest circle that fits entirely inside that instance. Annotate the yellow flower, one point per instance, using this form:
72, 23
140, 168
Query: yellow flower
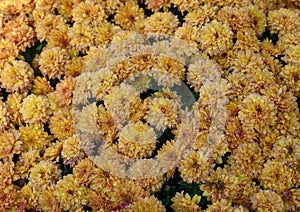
52, 62
128, 14
4, 116
33, 136
41, 86
201, 15
147, 204
61, 124
44, 175
34, 109
16, 76
267, 200
88, 13
161, 22
216, 38
69, 195
137, 140
10, 143
72, 150
257, 112
283, 20
156, 5
184, 202
64, 91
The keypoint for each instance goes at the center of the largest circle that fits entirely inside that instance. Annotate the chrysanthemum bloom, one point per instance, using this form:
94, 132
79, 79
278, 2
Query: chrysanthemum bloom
195, 167
59, 37
119, 102
248, 158
156, 5
247, 60
74, 66
291, 77
53, 152
8, 51
236, 17
188, 5
88, 12
7, 189
61, 124
33, 136
292, 55
184, 202
137, 140
286, 149
41, 86
221, 205
10, 143
29, 193
215, 38
287, 40
147, 204
267, 200
48, 201
45, 25
44, 174
34, 109
52, 62
128, 14
5, 116
277, 176
72, 151
104, 33
83, 171
43, 7
291, 199
246, 40
202, 71
201, 15
82, 37
16, 76
64, 91
69, 194
189, 33
257, 112
221, 184
163, 112
26, 161
283, 20
161, 22
236, 133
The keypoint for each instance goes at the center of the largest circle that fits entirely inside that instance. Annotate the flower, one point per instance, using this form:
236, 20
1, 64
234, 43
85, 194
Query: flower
160, 22
184, 202
64, 91
277, 176
69, 195
88, 13
41, 86
202, 71
283, 20
257, 112
201, 15
248, 158
52, 62
267, 200
216, 38
147, 204
128, 14
34, 109
71, 150
156, 5
195, 167
4, 116
291, 75
188, 32
10, 143
137, 140
16, 76
286, 149
44, 175
220, 184
33, 136
61, 124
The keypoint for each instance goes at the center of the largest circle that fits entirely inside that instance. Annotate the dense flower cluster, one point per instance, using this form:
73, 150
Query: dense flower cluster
250, 61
